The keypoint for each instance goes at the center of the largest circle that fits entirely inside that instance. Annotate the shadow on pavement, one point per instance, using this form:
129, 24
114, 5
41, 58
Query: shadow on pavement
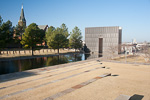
136, 97
115, 75
17, 75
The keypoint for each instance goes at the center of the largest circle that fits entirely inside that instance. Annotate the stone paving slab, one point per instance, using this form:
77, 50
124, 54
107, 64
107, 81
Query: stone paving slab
57, 95
123, 97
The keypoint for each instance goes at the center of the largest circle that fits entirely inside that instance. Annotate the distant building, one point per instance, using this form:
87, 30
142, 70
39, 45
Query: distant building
128, 48
134, 41
43, 27
101, 39
22, 20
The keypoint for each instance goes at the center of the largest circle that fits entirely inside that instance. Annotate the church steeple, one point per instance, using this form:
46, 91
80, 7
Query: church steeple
22, 20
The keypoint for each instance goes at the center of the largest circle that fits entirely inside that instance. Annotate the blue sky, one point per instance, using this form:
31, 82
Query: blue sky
132, 15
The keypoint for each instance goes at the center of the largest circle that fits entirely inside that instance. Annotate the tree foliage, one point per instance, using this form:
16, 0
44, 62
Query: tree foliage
75, 40
112, 50
1, 20
50, 32
146, 52
64, 30
57, 38
66, 34
18, 31
32, 36
42, 36
6, 33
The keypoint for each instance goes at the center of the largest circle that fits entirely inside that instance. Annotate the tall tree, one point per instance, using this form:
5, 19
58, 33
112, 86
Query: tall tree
1, 40
32, 36
6, 33
1, 20
75, 40
57, 39
66, 34
42, 36
64, 30
146, 52
49, 34
18, 31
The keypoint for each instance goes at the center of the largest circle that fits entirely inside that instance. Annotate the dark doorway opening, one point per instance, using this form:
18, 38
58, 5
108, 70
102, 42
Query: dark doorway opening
100, 45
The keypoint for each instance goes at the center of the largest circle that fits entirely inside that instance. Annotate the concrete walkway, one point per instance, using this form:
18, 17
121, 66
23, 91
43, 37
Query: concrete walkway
84, 80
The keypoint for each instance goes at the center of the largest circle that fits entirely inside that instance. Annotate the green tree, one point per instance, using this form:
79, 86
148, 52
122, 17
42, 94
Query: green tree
42, 36
1, 20
49, 33
56, 39
6, 33
18, 31
66, 34
75, 40
1, 40
31, 37
64, 30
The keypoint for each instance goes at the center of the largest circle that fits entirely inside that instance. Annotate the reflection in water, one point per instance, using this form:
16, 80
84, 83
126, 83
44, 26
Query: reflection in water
55, 60
26, 64
91, 56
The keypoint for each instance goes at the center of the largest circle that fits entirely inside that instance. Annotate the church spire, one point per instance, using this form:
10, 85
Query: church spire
22, 20
22, 6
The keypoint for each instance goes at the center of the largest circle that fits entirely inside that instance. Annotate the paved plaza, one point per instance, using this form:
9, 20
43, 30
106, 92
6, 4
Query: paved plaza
83, 80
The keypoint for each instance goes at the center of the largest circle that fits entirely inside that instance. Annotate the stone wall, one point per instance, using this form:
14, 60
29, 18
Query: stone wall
112, 38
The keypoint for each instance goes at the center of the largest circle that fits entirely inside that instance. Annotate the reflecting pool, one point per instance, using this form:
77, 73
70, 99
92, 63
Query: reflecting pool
19, 65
